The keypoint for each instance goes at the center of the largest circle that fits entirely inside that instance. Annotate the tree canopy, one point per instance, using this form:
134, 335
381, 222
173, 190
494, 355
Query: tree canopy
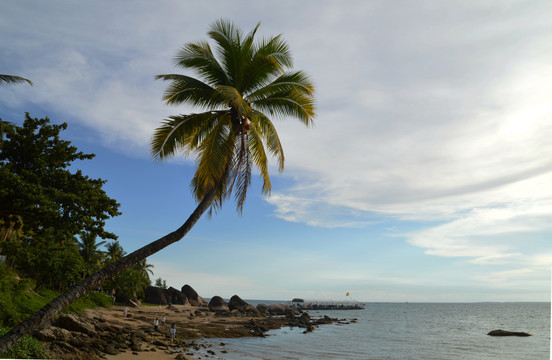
39, 189
44, 205
241, 84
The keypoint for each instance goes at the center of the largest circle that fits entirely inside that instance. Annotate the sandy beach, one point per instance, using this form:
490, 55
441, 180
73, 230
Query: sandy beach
109, 333
192, 323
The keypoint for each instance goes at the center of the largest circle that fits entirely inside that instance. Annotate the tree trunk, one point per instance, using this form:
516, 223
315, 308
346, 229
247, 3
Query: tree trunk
93, 281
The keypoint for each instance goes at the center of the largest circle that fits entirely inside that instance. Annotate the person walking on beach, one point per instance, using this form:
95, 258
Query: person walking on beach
173, 331
155, 324
163, 319
126, 311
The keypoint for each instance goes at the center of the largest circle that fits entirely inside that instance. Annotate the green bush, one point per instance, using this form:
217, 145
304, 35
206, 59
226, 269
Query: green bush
18, 301
91, 300
27, 348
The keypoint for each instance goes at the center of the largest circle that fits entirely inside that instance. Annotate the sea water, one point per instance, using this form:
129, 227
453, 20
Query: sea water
406, 331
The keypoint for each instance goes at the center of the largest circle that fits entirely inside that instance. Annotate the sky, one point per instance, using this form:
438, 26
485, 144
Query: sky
427, 175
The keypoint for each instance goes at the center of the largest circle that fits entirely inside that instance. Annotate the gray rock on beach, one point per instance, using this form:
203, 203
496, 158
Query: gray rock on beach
236, 303
193, 297
218, 304
176, 297
155, 295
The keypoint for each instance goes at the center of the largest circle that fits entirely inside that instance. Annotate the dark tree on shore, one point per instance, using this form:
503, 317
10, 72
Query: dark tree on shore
237, 85
44, 204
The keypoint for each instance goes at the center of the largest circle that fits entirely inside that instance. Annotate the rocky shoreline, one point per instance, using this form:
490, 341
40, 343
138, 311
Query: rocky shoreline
107, 331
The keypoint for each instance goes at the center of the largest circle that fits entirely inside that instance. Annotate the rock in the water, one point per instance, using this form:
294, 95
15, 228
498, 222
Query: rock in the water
237, 303
218, 304
507, 333
279, 309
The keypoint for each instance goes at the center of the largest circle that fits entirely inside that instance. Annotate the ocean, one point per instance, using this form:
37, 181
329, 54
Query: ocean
393, 331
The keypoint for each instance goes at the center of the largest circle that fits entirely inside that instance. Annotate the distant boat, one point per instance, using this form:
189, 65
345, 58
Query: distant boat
313, 304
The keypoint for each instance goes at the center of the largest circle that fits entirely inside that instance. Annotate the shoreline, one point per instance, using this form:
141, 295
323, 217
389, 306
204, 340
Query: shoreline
106, 333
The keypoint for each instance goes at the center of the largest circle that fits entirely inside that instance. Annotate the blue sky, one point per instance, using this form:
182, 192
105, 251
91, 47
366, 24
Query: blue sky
426, 177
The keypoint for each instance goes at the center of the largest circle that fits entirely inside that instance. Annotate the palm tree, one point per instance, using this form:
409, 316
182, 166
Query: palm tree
114, 251
239, 82
144, 269
229, 136
88, 249
12, 79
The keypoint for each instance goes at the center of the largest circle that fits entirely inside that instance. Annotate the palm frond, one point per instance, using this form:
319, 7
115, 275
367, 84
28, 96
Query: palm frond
181, 133
13, 79
295, 81
265, 129
212, 158
227, 39
292, 103
234, 99
242, 172
259, 156
186, 89
275, 47
198, 56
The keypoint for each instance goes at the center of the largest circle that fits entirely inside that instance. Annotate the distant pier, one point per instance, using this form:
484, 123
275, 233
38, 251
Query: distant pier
313, 304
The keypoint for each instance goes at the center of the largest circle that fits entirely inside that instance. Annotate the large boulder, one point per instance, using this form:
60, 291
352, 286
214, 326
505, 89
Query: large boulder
218, 304
280, 309
193, 298
175, 296
155, 295
262, 308
236, 303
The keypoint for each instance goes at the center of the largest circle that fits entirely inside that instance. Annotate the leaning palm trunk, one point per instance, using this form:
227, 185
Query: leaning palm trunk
93, 281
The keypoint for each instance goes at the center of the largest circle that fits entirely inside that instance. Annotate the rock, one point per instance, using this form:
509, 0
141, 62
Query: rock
305, 318
73, 323
155, 295
250, 309
263, 308
46, 335
218, 304
192, 296
237, 303
507, 333
83, 341
175, 296
280, 309
110, 349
